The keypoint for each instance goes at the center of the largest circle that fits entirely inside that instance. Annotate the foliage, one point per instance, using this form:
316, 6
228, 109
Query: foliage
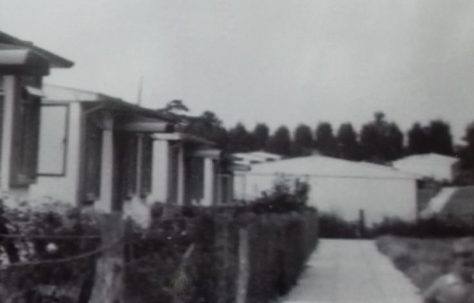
421, 260
261, 133
381, 141
440, 137
210, 127
240, 140
195, 250
303, 141
349, 147
433, 227
435, 138
333, 226
32, 236
418, 140
466, 155
325, 142
280, 142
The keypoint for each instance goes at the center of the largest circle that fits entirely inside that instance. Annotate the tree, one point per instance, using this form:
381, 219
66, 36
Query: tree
418, 140
325, 141
440, 137
394, 142
240, 140
348, 145
303, 141
261, 134
380, 140
467, 154
208, 126
280, 142
175, 107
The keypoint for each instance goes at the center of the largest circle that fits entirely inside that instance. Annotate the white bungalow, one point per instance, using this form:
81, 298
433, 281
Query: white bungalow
87, 148
349, 189
438, 167
99, 150
22, 68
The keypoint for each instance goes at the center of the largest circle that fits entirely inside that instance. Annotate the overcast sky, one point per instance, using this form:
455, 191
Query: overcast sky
277, 61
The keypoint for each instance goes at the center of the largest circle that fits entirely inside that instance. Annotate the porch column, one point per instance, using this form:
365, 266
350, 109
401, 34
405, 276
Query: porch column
107, 167
7, 136
138, 180
209, 176
160, 171
181, 176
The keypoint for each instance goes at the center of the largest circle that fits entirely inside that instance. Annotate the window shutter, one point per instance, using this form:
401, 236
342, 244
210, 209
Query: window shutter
26, 134
92, 159
147, 164
130, 164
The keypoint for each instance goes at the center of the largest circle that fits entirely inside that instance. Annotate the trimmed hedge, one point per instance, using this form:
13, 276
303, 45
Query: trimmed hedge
166, 270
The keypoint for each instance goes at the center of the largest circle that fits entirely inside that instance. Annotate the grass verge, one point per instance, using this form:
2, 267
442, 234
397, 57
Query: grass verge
421, 260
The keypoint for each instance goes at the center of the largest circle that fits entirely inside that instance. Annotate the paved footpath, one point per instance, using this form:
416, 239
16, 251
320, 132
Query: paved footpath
351, 271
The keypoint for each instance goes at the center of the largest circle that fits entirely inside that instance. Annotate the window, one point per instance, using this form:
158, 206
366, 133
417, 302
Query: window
53, 140
135, 158
26, 133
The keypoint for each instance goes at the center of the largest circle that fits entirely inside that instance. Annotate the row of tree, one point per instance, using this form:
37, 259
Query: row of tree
377, 141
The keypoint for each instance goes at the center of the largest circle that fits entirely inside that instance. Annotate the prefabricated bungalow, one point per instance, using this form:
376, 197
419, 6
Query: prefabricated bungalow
22, 68
438, 167
87, 148
346, 188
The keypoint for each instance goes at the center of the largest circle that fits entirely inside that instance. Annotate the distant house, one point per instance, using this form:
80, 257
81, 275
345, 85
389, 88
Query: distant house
438, 167
346, 188
241, 163
88, 148
254, 157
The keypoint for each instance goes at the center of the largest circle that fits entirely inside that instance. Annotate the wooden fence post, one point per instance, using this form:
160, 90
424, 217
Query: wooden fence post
243, 269
108, 282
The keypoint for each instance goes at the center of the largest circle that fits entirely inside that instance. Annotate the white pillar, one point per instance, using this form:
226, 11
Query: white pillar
181, 176
160, 171
208, 182
107, 167
7, 136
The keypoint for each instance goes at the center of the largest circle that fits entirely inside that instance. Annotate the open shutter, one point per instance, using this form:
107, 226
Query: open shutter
146, 169
130, 164
92, 160
25, 142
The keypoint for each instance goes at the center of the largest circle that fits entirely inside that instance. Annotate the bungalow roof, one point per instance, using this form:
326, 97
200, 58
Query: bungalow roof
53, 59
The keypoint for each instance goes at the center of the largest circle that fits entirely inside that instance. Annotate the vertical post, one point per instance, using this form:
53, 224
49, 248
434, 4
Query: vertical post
243, 270
208, 181
7, 136
160, 171
138, 179
181, 175
107, 165
108, 283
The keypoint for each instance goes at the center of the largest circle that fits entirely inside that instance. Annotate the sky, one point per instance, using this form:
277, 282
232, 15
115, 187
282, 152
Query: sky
274, 61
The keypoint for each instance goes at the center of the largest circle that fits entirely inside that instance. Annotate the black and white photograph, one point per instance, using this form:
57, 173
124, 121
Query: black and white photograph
237, 151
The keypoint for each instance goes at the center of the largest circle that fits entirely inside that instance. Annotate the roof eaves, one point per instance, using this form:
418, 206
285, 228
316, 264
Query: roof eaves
55, 60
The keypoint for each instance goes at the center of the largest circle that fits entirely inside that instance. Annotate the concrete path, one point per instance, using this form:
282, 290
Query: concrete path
351, 271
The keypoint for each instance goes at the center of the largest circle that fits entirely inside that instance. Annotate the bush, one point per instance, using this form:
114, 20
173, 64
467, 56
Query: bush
333, 226
32, 239
424, 228
195, 251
